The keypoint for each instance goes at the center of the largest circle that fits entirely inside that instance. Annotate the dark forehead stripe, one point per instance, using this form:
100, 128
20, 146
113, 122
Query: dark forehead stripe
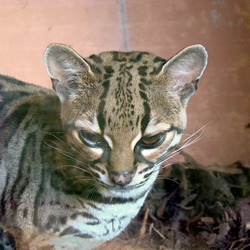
143, 88
146, 118
121, 67
124, 90
106, 85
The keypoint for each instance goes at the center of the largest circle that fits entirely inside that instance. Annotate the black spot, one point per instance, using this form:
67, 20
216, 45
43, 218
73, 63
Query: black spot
146, 82
109, 70
93, 223
117, 57
142, 70
96, 58
142, 87
69, 231
109, 121
137, 58
73, 216
147, 175
84, 236
51, 221
159, 59
178, 130
63, 220
143, 96
95, 69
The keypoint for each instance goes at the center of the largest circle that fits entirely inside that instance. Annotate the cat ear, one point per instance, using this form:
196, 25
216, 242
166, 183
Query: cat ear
185, 70
66, 69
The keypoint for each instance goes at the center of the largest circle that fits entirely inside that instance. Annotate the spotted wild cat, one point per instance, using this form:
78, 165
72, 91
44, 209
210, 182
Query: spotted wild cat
77, 163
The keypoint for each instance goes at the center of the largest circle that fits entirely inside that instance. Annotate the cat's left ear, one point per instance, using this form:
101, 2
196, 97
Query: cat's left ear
185, 69
66, 69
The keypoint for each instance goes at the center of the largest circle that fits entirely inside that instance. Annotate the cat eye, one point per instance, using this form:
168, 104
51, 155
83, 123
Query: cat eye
91, 139
152, 141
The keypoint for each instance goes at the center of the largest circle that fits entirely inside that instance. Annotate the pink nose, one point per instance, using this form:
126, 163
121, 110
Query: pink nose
121, 178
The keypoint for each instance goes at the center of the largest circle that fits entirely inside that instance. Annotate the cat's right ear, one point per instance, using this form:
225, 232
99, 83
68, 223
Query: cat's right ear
66, 68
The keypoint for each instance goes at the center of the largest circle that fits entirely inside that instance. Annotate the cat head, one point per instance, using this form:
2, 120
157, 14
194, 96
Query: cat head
123, 111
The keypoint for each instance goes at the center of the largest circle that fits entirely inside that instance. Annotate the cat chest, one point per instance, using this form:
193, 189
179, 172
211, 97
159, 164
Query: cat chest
103, 221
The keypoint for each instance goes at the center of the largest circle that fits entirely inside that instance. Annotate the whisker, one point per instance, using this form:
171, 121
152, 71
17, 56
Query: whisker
162, 177
56, 137
176, 152
73, 166
191, 139
60, 150
91, 190
200, 129
63, 143
80, 179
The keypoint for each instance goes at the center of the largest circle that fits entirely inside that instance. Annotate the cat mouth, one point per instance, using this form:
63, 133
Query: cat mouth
119, 187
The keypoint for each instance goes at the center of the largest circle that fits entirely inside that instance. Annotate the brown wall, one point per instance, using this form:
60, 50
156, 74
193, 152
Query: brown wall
159, 26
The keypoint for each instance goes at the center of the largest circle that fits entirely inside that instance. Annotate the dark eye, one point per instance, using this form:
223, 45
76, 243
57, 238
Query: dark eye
152, 141
91, 139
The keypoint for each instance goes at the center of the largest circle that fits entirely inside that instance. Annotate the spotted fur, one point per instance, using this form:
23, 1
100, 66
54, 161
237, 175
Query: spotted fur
78, 162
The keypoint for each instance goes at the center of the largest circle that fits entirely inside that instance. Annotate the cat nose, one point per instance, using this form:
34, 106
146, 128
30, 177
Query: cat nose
121, 178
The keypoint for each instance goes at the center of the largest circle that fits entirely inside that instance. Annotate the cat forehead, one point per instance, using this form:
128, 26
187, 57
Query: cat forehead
116, 59
128, 97
125, 78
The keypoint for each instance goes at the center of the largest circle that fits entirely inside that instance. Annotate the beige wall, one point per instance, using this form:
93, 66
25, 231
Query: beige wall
159, 26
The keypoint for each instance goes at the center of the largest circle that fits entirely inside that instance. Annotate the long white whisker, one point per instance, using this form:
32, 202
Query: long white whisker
200, 129
193, 138
188, 143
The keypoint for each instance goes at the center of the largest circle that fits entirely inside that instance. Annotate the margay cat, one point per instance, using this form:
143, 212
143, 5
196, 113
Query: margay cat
77, 164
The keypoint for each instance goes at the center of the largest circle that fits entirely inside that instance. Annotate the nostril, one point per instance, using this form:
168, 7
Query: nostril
121, 178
